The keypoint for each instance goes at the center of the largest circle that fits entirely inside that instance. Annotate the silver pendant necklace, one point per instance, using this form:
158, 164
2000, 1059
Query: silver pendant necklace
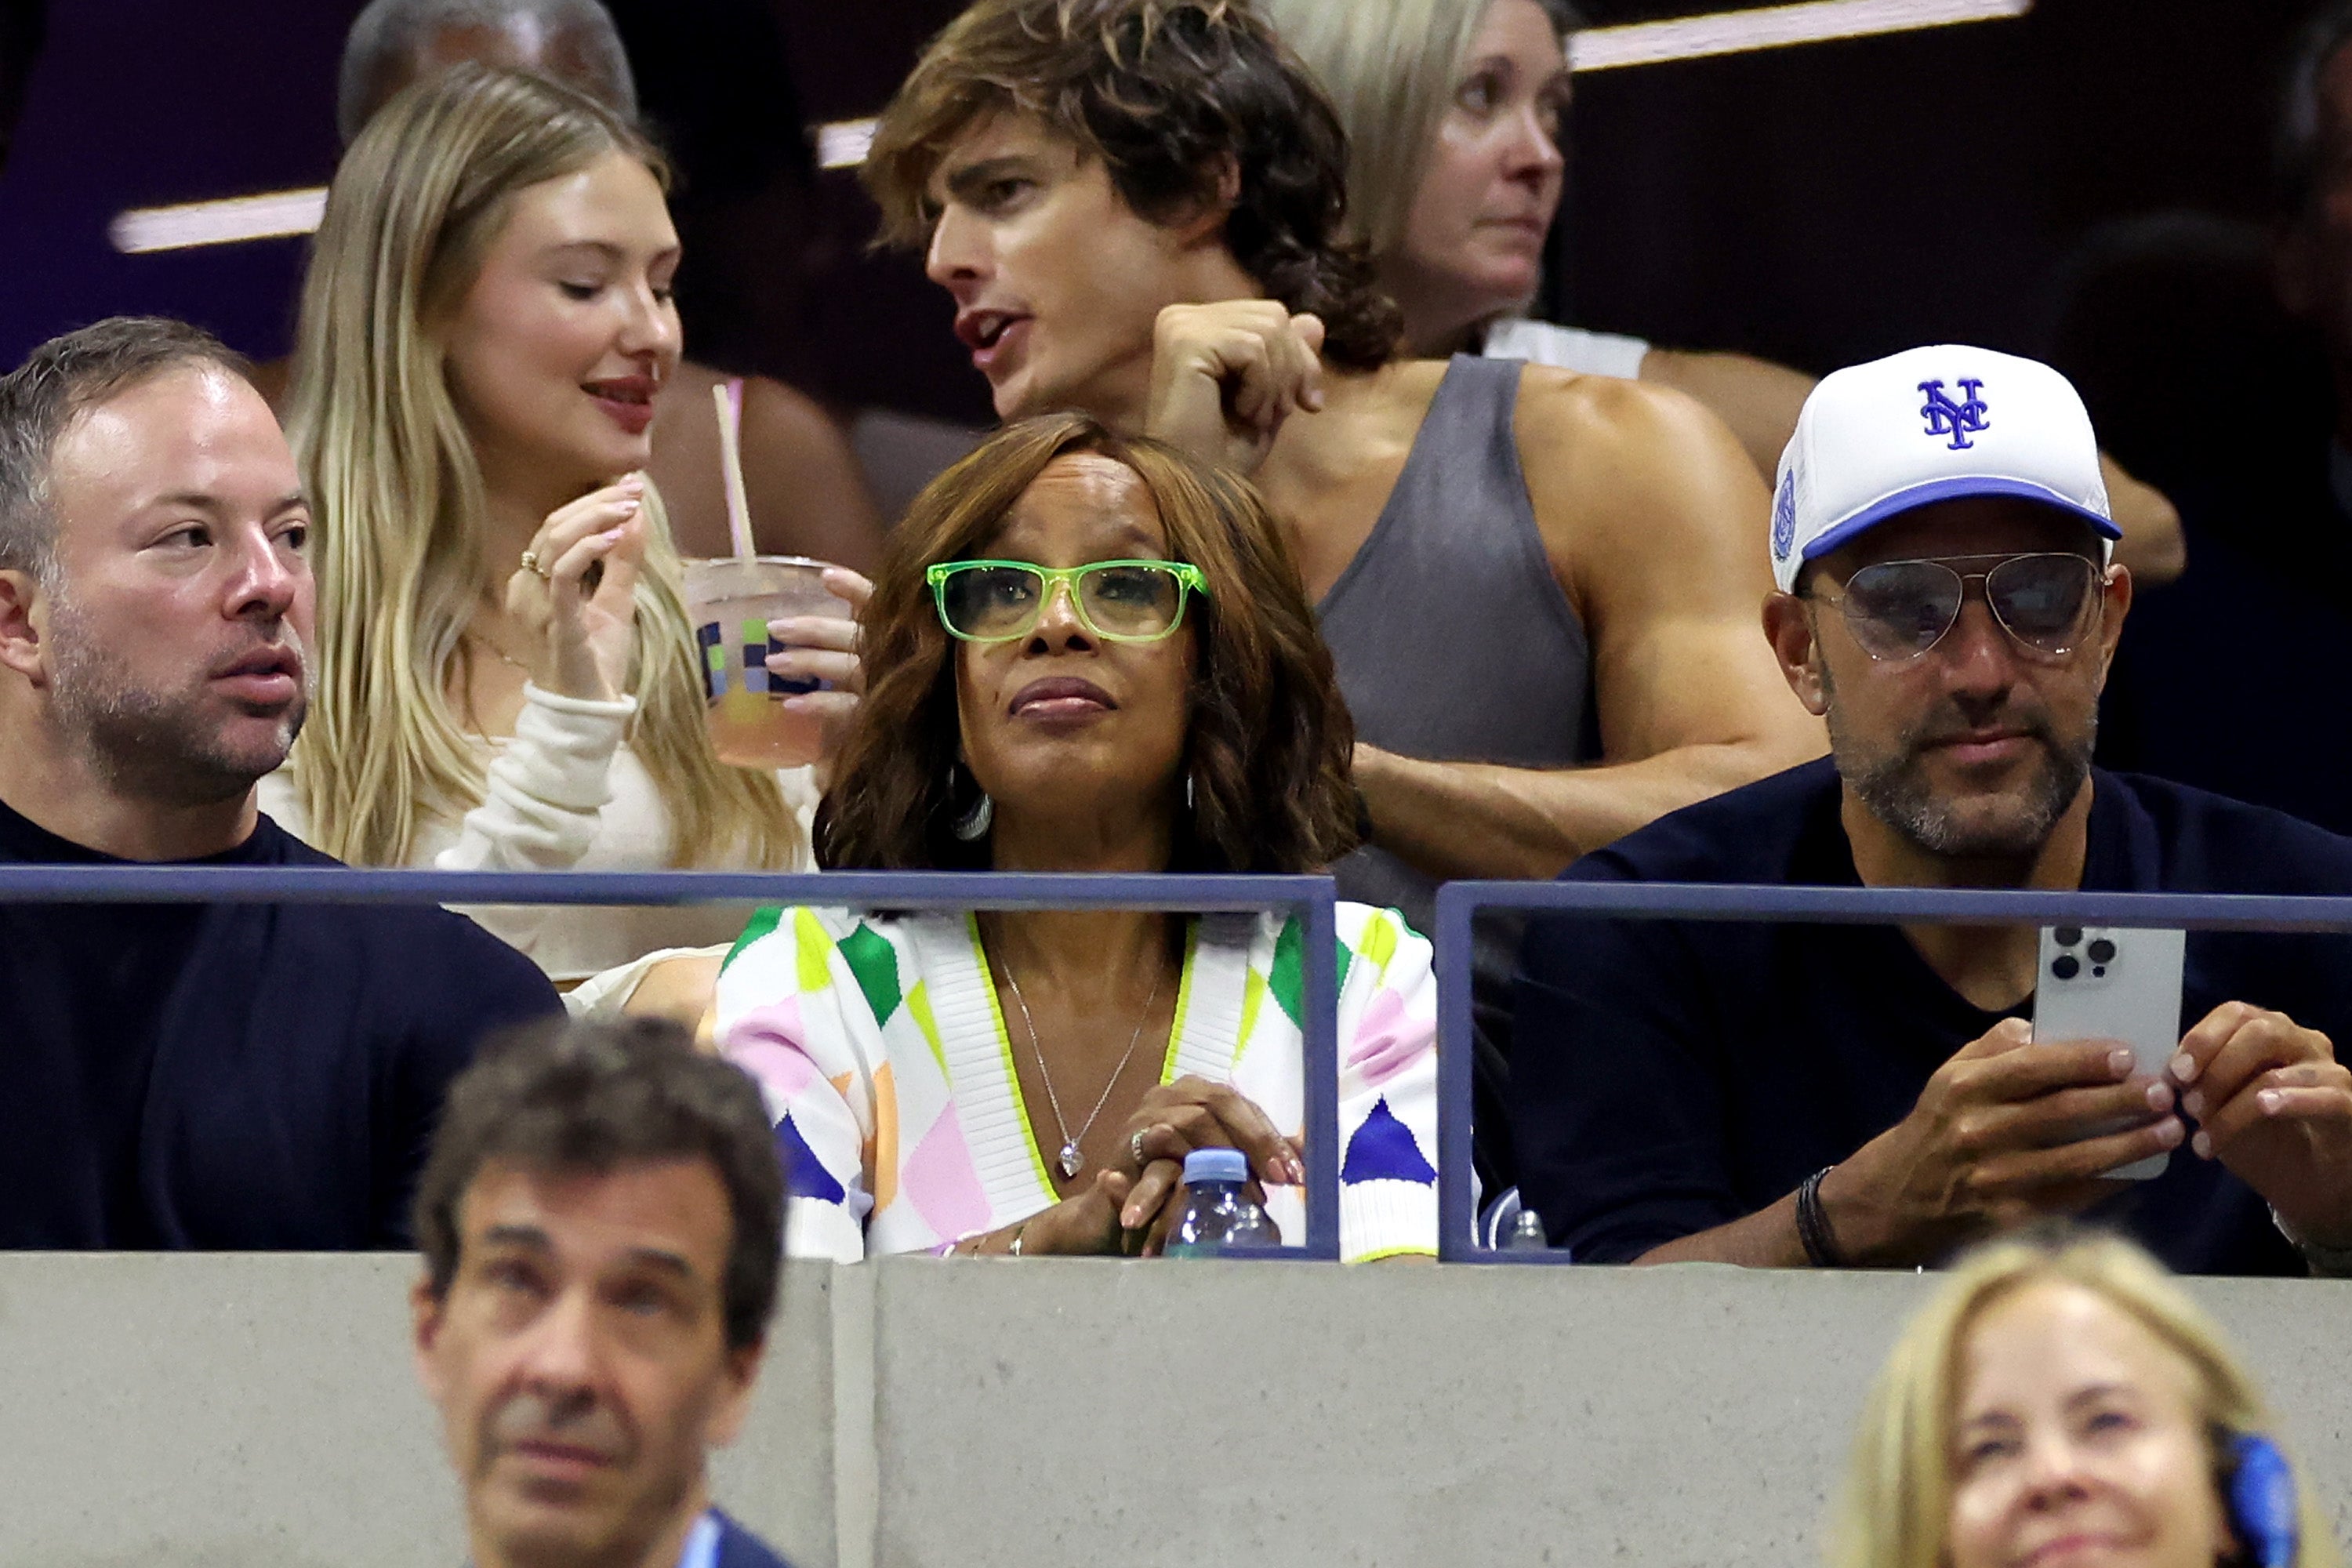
1070, 1159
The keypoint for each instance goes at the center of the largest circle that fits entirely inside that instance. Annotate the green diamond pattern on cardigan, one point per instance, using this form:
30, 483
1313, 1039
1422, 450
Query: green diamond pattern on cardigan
763, 922
875, 962
1287, 981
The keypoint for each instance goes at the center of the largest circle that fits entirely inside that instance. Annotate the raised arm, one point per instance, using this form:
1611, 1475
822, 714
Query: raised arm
1655, 522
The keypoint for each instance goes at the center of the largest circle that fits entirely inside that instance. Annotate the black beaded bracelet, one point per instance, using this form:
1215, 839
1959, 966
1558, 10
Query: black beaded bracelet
1813, 1226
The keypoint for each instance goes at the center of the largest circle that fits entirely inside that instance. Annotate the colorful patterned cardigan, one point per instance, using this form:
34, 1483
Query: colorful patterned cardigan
883, 1055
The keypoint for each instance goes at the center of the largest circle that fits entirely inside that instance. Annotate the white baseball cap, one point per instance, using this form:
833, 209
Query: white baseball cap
1928, 425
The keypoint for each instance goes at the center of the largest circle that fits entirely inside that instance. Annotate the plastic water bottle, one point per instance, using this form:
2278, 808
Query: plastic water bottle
1220, 1219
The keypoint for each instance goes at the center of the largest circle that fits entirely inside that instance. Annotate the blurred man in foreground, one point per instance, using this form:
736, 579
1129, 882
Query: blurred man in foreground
244, 1075
601, 1220
1780, 1096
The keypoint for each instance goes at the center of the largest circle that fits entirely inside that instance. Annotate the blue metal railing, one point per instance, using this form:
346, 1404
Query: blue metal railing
1311, 898
1458, 904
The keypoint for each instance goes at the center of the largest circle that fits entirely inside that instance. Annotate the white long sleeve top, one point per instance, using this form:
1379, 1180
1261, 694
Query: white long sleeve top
564, 794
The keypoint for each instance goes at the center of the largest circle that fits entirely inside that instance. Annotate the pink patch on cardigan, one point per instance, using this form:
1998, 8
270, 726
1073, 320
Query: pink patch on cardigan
938, 1180
765, 1044
1387, 1042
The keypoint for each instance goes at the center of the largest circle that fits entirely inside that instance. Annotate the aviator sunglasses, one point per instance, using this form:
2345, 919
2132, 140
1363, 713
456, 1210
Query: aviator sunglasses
2048, 603
1119, 601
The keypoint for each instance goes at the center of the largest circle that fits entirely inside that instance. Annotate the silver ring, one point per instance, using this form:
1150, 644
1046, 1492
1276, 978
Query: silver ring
1135, 1147
530, 565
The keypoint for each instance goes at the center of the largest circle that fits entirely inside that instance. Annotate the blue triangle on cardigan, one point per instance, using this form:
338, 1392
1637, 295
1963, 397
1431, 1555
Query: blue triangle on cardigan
1384, 1149
804, 1174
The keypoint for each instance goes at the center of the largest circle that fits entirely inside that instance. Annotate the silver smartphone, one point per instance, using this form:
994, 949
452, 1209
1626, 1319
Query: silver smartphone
2101, 983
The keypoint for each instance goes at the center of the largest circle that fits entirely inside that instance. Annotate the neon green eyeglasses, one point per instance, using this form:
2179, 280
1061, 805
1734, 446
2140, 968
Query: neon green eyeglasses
1119, 601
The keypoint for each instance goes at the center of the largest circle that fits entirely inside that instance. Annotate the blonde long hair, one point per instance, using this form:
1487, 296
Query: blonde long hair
397, 491
1897, 1505
1390, 67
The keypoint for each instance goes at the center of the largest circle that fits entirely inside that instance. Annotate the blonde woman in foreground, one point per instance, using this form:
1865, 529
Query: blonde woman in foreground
2061, 1404
505, 678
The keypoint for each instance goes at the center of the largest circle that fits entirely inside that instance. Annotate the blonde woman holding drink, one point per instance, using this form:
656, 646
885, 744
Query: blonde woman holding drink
507, 676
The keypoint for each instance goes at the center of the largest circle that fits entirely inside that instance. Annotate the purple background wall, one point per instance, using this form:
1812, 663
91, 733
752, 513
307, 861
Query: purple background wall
143, 102
1818, 204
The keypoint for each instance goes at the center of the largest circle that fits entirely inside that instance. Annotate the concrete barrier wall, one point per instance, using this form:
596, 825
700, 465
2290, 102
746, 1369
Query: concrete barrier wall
261, 1412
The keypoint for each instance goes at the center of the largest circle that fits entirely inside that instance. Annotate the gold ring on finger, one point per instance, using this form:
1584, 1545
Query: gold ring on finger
530, 565
1135, 1147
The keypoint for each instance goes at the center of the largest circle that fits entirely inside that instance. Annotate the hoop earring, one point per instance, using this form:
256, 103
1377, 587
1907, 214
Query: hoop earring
975, 820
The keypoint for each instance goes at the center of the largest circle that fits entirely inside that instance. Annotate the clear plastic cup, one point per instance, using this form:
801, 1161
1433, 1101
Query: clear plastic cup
729, 603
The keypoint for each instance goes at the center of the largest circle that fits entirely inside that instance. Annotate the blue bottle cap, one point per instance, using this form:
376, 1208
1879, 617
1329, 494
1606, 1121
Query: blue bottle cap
1215, 1166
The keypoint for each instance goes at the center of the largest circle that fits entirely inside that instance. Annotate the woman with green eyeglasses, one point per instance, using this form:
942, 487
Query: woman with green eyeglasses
1087, 654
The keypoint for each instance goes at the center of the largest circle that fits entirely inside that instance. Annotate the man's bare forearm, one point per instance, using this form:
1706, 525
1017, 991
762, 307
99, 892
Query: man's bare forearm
1481, 819
2152, 544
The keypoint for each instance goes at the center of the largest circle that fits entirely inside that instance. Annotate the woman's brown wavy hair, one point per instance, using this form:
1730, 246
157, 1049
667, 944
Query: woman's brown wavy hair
1268, 737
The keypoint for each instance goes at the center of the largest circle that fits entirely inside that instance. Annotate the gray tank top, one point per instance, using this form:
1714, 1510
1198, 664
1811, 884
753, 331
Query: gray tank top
1453, 640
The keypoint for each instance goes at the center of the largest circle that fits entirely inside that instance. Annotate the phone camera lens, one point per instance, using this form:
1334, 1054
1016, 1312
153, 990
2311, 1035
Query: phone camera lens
2103, 951
2065, 966
2068, 935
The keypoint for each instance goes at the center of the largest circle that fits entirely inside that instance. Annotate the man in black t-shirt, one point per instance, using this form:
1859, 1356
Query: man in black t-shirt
176, 1075
1826, 1094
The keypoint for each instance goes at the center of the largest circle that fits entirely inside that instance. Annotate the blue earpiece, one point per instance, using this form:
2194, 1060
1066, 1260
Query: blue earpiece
2262, 1500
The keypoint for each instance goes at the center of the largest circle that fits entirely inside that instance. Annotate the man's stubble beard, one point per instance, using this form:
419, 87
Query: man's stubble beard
1892, 784
148, 744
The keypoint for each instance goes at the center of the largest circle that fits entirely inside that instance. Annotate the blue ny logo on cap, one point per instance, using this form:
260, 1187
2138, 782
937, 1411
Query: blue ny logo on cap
1958, 420
1784, 516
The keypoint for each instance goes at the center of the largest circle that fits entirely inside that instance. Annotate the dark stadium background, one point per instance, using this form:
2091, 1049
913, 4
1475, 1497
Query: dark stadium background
1817, 205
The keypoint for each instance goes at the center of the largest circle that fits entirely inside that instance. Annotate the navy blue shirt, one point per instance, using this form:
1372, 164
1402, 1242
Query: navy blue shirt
739, 1548
1670, 1077
231, 1076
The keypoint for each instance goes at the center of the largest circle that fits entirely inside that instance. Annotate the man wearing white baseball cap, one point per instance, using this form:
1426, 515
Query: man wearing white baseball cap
1869, 1095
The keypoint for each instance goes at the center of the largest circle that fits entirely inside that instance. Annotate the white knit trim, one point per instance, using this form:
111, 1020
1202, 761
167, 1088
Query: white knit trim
986, 1094
1216, 978
1386, 1217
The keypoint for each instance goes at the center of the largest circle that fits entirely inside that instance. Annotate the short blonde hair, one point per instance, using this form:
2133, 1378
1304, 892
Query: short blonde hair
1390, 68
1897, 1509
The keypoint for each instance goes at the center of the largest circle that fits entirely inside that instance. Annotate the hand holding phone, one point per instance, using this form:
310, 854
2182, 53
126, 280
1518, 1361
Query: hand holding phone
2099, 982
